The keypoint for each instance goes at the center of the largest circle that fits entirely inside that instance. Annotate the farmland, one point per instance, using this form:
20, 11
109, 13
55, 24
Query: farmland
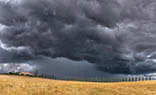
20, 85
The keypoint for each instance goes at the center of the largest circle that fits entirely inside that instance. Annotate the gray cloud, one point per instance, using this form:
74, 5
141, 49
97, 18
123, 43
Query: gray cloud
11, 67
117, 36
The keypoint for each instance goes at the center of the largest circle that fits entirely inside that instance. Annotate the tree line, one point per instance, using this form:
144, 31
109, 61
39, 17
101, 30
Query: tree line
87, 79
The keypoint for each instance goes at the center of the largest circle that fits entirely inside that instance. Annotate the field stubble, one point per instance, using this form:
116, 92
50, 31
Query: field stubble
18, 85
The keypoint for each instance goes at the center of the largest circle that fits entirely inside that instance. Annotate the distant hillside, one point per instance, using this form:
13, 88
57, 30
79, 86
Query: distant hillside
20, 85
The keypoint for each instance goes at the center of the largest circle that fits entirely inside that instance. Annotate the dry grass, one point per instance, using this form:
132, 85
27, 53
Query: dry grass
16, 85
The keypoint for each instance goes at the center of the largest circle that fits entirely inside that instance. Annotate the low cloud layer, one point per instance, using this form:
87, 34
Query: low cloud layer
116, 36
11, 67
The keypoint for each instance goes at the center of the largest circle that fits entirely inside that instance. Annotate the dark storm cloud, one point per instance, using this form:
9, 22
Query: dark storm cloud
117, 36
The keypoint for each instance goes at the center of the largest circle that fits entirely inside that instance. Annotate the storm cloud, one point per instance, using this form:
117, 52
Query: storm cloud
116, 36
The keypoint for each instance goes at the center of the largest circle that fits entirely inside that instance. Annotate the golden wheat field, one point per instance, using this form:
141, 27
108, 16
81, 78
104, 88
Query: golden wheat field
18, 85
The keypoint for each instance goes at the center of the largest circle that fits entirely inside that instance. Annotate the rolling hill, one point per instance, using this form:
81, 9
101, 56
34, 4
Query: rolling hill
19, 85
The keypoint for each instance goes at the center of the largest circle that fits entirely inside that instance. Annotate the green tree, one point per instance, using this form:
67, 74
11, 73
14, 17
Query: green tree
150, 78
129, 79
36, 73
136, 78
132, 78
143, 78
139, 78
123, 79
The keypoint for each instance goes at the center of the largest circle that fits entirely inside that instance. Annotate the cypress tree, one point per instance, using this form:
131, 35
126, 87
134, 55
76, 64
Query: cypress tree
136, 78
150, 78
132, 78
143, 78
129, 79
139, 78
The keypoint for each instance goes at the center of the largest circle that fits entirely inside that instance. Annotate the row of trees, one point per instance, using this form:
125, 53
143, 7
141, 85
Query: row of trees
95, 79
127, 79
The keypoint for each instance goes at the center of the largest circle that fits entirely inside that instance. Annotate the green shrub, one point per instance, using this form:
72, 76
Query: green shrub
13, 73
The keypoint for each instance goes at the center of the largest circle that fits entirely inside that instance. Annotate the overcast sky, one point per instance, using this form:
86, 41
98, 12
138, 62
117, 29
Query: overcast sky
78, 37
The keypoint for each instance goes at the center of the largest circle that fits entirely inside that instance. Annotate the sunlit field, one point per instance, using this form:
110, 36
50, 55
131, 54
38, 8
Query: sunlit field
18, 85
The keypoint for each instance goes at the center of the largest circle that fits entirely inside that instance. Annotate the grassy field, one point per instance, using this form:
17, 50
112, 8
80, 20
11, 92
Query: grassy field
16, 85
